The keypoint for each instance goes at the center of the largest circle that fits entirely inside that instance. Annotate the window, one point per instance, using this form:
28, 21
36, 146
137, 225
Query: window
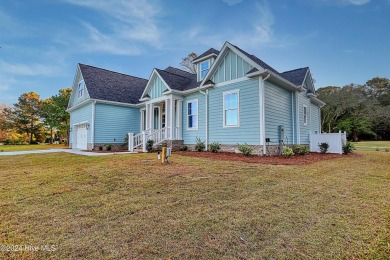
80, 89
204, 68
192, 114
305, 115
231, 108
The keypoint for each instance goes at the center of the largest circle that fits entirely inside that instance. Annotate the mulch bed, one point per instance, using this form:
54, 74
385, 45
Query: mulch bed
274, 160
105, 151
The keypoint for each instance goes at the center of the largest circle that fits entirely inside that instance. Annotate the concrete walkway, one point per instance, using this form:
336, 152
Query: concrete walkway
74, 151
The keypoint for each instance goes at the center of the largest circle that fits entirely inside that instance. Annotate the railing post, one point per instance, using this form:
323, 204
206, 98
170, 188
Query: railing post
131, 141
144, 141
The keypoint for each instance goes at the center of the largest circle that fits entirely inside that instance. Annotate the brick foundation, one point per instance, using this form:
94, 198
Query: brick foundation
257, 149
113, 147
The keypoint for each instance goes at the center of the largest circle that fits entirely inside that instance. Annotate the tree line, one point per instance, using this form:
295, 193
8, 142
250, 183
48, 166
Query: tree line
363, 111
32, 120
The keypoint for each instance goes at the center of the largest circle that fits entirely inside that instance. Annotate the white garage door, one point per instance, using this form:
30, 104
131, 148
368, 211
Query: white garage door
81, 137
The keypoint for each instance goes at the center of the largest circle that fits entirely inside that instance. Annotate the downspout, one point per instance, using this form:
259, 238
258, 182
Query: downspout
262, 112
293, 118
93, 125
206, 94
297, 117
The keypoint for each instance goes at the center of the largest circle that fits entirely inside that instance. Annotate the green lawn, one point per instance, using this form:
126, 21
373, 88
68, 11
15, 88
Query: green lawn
130, 206
28, 147
372, 145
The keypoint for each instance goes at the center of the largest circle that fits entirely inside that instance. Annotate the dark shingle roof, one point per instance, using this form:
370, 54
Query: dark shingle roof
296, 76
178, 79
112, 86
206, 53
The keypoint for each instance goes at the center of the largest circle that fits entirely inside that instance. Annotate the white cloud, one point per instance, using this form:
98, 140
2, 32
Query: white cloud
232, 2
340, 2
16, 69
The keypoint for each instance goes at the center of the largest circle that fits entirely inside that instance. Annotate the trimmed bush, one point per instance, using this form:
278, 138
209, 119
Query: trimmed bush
109, 147
348, 147
300, 149
149, 145
100, 148
184, 148
215, 147
323, 147
245, 149
287, 151
200, 145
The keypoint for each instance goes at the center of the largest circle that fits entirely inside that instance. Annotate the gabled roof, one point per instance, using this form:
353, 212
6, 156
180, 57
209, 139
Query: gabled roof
178, 79
211, 51
108, 85
296, 76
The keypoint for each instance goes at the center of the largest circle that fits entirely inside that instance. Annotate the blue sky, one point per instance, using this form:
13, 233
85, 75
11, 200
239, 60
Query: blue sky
342, 41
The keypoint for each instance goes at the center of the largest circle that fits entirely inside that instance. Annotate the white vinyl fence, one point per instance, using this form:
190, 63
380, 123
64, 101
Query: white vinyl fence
335, 141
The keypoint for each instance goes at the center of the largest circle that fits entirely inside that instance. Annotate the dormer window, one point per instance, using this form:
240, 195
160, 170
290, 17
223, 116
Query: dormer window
204, 68
80, 89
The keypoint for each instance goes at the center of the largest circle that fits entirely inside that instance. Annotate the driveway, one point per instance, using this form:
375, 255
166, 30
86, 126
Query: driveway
74, 151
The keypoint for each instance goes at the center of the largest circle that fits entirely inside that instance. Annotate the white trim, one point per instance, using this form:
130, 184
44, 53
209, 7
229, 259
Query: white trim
200, 69
230, 82
93, 124
235, 91
86, 122
82, 90
298, 119
293, 118
204, 58
143, 119
152, 77
197, 114
78, 105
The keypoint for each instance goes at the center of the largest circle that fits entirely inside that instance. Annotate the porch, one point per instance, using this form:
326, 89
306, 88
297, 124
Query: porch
161, 120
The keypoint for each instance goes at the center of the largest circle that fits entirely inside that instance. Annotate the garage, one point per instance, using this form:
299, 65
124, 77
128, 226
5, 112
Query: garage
81, 137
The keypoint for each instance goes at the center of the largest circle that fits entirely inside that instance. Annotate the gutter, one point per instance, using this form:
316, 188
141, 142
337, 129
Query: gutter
206, 94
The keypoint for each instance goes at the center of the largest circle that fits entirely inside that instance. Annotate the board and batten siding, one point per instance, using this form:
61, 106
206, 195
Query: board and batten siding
231, 67
278, 111
74, 100
189, 136
113, 123
157, 88
249, 114
315, 118
81, 114
304, 129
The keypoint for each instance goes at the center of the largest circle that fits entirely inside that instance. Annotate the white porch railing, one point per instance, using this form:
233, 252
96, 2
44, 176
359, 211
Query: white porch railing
140, 139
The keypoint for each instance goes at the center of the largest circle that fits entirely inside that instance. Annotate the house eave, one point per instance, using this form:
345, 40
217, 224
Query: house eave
78, 105
313, 98
204, 58
275, 78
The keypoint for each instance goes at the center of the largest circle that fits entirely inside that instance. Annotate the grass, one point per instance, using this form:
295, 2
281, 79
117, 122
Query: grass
131, 206
372, 145
28, 147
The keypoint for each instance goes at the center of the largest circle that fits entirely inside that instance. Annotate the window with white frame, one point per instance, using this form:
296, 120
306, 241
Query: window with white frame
231, 105
305, 115
204, 68
80, 89
192, 114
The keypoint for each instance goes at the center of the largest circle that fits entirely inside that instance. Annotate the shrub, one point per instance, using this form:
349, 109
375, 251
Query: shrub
184, 148
100, 148
287, 151
34, 142
245, 149
377, 149
149, 145
323, 147
348, 147
300, 149
109, 147
215, 147
199, 146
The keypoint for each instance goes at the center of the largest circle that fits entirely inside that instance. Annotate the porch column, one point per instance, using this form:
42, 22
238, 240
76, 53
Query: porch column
179, 116
147, 118
167, 125
151, 115
171, 118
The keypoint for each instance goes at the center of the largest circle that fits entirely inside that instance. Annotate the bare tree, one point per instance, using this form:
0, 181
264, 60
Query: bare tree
186, 63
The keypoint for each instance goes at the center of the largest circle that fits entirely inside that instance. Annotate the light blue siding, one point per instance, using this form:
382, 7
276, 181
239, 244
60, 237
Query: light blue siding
112, 123
81, 114
231, 67
189, 136
74, 100
278, 111
315, 116
249, 114
304, 129
157, 88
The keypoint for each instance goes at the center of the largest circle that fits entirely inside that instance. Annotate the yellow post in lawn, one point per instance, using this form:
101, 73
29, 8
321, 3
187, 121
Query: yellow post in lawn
163, 154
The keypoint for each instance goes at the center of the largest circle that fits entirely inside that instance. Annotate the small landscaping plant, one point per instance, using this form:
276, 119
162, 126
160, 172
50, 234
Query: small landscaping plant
287, 151
215, 147
348, 147
199, 146
300, 149
100, 148
109, 147
245, 149
184, 148
387, 150
149, 145
323, 147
